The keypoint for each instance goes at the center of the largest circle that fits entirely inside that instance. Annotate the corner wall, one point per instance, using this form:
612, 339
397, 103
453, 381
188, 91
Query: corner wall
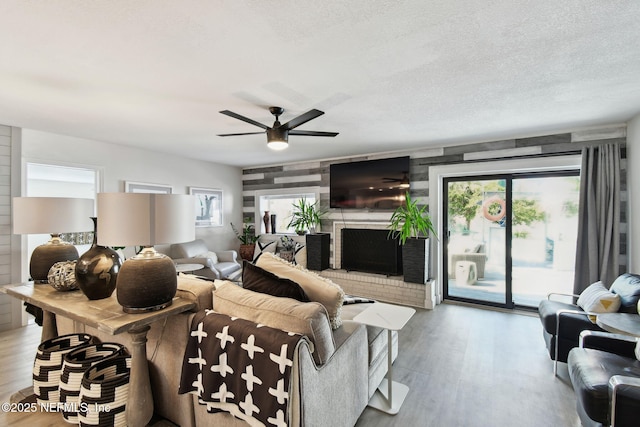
120, 163
633, 178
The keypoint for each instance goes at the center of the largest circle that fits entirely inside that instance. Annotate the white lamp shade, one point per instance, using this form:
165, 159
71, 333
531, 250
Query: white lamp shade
130, 219
51, 215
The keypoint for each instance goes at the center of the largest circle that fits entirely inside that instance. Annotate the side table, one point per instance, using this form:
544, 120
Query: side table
188, 268
105, 315
621, 323
390, 394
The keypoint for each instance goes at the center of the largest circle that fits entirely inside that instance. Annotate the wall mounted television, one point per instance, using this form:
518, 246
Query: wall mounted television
369, 184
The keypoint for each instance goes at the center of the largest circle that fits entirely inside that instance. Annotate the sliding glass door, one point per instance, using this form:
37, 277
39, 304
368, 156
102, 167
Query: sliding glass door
509, 239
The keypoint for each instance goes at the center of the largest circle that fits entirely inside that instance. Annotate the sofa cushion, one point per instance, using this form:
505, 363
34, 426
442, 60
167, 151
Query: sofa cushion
306, 318
194, 289
628, 287
596, 298
188, 249
590, 371
257, 279
316, 287
263, 247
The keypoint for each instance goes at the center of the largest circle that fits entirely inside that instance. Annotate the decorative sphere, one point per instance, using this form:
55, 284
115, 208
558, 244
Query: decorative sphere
62, 276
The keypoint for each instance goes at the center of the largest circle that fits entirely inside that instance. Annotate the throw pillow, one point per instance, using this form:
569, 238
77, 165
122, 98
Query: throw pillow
316, 287
305, 318
257, 279
300, 255
598, 299
267, 247
628, 287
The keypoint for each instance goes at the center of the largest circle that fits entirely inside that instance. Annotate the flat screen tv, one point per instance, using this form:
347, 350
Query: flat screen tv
370, 184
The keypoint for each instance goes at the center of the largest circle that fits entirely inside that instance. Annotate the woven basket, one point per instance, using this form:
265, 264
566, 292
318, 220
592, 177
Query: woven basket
74, 365
104, 393
48, 365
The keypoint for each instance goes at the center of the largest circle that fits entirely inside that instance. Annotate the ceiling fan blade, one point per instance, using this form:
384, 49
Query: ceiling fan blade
302, 119
243, 118
312, 133
244, 133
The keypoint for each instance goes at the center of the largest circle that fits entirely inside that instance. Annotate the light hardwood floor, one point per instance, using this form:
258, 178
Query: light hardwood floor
465, 366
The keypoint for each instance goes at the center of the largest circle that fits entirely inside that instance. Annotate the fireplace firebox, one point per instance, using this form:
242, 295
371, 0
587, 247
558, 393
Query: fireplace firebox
371, 251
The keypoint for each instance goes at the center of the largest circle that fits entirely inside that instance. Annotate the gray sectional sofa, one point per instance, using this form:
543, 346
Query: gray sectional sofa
331, 391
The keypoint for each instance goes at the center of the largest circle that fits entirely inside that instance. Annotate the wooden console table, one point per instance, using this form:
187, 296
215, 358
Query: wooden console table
105, 315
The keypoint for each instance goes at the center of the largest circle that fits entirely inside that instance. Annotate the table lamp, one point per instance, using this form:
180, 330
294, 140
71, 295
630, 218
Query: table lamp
148, 280
51, 215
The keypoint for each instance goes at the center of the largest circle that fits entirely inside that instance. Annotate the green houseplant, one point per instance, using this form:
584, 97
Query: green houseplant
247, 237
411, 225
306, 216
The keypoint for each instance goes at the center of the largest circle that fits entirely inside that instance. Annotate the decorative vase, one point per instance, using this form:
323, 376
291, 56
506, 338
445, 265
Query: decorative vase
273, 223
97, 269
265, 219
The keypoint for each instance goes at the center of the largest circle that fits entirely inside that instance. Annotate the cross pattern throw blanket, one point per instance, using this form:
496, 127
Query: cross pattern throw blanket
241, 367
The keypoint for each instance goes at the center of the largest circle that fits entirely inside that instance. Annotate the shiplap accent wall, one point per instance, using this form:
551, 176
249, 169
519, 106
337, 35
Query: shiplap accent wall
5, 225
316, 173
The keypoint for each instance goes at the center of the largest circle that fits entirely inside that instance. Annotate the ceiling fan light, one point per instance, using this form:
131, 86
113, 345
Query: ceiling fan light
277, 138
277, 145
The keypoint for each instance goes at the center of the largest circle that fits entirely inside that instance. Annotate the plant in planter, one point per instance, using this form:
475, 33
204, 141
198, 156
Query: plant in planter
248, 239
306, 216
411, 224
288, 246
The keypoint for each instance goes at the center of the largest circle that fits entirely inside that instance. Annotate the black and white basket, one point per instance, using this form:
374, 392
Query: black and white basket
74, 365
48, 365
104, 393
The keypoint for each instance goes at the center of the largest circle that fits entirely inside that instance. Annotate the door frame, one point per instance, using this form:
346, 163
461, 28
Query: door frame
508, 295
478, 168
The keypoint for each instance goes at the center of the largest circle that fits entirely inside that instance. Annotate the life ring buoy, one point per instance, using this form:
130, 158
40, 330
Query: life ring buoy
490, 202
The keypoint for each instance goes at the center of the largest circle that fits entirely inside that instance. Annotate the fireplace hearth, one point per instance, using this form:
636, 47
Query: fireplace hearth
371, 251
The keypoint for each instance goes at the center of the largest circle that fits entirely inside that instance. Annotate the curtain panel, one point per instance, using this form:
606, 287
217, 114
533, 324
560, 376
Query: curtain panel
598, 243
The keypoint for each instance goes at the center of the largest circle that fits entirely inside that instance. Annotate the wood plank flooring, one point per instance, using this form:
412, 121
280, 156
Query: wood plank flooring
476, 367
465, 366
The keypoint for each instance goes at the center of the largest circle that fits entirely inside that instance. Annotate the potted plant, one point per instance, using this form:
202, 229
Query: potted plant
247, 239
411, 224
288, 247
306, 216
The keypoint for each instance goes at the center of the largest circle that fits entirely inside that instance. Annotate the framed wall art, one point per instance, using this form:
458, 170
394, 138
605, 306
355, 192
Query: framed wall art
208, 206
142, 187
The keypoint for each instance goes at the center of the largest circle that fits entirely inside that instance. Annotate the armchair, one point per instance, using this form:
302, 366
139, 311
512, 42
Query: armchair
562, 321
605, 375
217, 265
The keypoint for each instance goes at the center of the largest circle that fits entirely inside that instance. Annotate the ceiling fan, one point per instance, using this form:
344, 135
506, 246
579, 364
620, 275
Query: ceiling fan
404, 181
278, 134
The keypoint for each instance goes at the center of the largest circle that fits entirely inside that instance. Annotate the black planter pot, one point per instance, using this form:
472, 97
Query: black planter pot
415, 260
318, 251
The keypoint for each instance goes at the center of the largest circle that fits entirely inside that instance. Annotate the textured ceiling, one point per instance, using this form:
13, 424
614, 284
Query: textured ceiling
390, 75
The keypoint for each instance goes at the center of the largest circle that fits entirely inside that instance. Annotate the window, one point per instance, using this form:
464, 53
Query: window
44, 180
280, 203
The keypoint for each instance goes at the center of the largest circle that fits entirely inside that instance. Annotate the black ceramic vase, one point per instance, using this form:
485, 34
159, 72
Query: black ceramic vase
97, 269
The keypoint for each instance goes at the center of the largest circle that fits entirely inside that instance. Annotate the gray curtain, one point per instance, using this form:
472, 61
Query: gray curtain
598, 217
